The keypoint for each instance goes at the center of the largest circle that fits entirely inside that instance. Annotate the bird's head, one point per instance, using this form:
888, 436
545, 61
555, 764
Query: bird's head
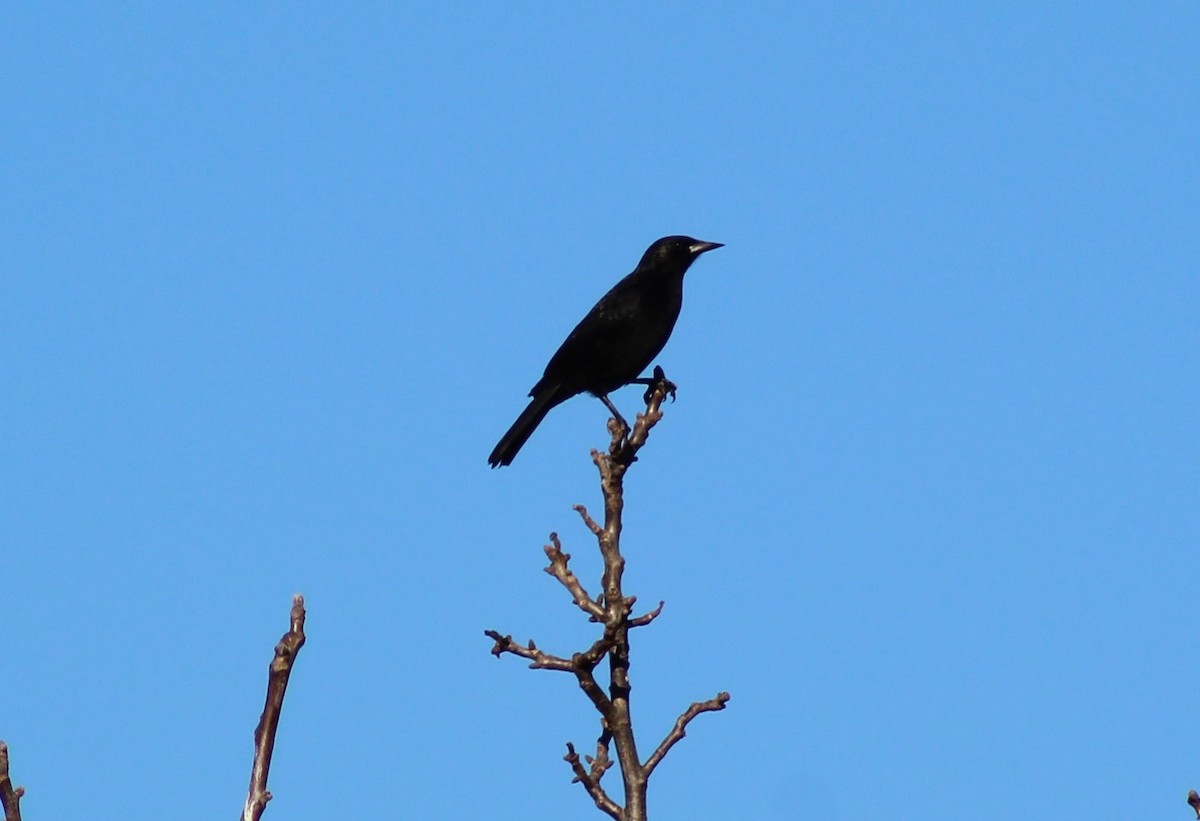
675, 253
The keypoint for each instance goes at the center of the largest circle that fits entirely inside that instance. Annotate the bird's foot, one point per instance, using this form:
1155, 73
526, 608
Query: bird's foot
617, 422
659, 378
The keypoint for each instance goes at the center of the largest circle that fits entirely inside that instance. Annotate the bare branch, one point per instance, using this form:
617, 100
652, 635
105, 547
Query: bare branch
264, 735
558, 569
595, 693
588, 520
590, 783
643, 620
582, 665
611, 608
538, 660
592, 656
10, 797
599, 764
680, 729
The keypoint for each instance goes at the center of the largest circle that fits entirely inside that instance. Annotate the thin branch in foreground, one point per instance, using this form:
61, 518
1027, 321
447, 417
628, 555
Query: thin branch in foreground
264, 735
10, 797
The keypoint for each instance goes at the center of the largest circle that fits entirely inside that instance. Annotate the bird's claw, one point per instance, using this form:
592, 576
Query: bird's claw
660, 378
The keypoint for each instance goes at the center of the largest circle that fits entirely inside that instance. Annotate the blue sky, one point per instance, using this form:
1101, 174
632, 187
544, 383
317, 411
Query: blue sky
277, 277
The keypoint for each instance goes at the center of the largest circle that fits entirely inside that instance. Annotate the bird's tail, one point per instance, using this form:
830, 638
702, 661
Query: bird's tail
506, 450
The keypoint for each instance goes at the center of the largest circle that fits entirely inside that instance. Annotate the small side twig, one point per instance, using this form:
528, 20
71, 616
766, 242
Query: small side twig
588, 521
558, 569
268, 724
10, 796
539, 660
600, 763
680, 729
646, 618
591, 782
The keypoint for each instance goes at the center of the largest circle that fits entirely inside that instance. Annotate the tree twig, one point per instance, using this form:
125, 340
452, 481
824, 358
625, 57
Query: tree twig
539, 660
646, 618
591, 783
264, 735
588, 521
680, 728
558, 569
599, 764
10, 796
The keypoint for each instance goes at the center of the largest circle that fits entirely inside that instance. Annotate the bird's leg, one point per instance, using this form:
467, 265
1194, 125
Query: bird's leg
613, 409
659, 378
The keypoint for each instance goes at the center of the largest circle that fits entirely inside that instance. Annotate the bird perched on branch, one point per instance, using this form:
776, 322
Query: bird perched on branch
615, 342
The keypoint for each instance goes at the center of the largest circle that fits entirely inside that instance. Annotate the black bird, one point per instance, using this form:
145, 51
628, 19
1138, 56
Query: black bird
615, 342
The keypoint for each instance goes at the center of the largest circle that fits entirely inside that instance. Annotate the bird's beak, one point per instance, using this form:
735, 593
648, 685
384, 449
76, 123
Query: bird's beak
700, 247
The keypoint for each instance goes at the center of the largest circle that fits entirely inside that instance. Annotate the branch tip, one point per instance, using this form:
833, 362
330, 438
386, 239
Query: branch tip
646, 618
10, 796
279, 672
588, 521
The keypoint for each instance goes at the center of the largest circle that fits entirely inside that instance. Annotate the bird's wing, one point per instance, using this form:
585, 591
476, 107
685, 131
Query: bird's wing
598, 332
